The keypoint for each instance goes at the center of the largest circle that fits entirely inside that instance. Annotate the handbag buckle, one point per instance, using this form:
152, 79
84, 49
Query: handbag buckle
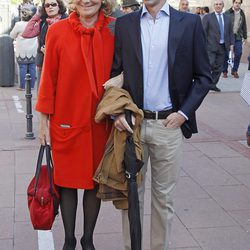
42, 201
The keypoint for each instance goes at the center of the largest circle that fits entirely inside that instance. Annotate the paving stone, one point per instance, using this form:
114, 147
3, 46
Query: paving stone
199, 213
7, 221
7, 160
191, 159
241, 216
6, 244
216, 149
187, 146
186, 248
25, 236
244, 179
230, 197
26, 161
227, 238
187, 188
21, 208
109, 219
234, 165
180, 236
22, 183
7, 184
110, 241
205, 172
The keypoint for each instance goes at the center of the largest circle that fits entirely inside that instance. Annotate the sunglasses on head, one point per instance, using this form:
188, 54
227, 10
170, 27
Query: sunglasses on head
47, 5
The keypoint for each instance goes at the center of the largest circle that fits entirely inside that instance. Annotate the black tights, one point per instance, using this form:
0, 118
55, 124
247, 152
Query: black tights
68, 206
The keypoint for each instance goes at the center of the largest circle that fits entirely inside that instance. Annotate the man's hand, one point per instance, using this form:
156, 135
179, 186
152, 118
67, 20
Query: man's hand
121, 123
174, 120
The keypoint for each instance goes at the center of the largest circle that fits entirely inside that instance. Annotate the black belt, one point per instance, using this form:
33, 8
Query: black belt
155, 115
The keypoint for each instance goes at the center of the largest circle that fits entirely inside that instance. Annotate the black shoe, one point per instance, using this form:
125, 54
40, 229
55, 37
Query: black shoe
216, 89
87, 245
69, 244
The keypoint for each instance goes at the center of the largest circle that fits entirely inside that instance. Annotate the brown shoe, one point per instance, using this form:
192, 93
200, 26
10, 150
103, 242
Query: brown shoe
248, 140
224, 75
235, 75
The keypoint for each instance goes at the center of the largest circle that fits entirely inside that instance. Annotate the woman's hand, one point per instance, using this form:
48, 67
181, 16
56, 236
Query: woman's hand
43, 49
43, 132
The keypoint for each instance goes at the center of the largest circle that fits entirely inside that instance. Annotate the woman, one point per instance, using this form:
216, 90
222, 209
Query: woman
50, 12
78, 59
25, 50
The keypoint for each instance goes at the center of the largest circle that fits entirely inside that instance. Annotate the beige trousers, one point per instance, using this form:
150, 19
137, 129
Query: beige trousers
163, 147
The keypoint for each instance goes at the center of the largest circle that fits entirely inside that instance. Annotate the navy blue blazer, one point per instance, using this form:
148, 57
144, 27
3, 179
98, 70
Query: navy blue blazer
188, 64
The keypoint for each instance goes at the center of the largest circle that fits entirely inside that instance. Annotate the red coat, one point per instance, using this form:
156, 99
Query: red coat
77, 62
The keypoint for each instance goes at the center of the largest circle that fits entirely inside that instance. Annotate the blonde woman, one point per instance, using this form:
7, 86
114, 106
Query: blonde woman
78, 60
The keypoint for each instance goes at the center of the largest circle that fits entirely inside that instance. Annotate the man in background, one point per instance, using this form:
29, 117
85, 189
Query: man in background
238, 21
184, 6
220, 39
129, 6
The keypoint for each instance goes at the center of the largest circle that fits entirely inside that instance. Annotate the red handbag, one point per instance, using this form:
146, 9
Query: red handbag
43, 194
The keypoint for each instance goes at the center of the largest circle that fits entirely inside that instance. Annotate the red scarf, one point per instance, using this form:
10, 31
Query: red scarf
92, 50
51, 20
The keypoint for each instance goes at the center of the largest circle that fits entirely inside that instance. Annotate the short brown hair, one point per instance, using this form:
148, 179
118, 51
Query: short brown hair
241, 1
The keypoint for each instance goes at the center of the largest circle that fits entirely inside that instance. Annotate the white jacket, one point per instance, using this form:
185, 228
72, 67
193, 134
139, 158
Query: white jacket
26, 48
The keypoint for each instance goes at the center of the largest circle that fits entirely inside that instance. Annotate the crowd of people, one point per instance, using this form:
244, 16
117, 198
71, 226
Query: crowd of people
151, 46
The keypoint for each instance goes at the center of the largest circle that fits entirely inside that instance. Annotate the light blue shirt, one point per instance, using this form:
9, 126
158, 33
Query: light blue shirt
154, 38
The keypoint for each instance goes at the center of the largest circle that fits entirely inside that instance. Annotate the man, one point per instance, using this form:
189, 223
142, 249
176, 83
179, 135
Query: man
205, 11
158, 49
238, 21
129, 6
184, 6
220, 39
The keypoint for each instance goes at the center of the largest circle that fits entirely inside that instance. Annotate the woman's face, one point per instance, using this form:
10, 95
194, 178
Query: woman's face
51, 8
87, 8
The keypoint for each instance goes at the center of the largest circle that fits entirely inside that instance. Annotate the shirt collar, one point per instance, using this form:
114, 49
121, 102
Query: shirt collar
164, 9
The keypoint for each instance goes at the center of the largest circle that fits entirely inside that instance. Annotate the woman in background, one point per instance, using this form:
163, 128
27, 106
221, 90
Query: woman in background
49, 13
25, 50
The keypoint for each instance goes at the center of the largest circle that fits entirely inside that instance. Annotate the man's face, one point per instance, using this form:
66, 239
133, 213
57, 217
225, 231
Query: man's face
183, 6
237, 5
153, 3
218, 6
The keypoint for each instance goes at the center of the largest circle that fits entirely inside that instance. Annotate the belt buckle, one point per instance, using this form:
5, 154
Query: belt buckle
156, 115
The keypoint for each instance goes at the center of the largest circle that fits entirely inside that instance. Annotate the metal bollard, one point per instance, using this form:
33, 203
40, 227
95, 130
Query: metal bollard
29, 116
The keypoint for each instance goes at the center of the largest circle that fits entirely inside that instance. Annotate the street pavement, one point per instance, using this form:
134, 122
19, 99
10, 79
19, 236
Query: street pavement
212, 198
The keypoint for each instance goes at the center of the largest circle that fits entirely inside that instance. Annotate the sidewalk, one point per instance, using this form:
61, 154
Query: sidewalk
212, 199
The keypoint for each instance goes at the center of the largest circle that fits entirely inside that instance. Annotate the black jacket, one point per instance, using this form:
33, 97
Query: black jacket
188, 64
41, 40
242, 31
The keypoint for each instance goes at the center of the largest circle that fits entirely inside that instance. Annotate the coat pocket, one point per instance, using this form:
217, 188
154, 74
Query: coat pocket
65, 139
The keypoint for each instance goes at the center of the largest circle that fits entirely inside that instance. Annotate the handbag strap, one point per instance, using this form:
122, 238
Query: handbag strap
49, 163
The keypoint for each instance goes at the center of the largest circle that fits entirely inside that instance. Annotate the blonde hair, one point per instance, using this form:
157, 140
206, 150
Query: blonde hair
106, 6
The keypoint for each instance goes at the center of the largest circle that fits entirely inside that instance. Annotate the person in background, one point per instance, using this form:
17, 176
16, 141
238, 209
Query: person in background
238, 21
25, 50
129, 6
78, 60
198, 10
115, 12
220, 39
184, 5
49, 13
205, 10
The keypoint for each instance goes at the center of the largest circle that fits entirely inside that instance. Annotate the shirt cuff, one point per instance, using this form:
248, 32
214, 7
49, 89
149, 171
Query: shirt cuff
180, 112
